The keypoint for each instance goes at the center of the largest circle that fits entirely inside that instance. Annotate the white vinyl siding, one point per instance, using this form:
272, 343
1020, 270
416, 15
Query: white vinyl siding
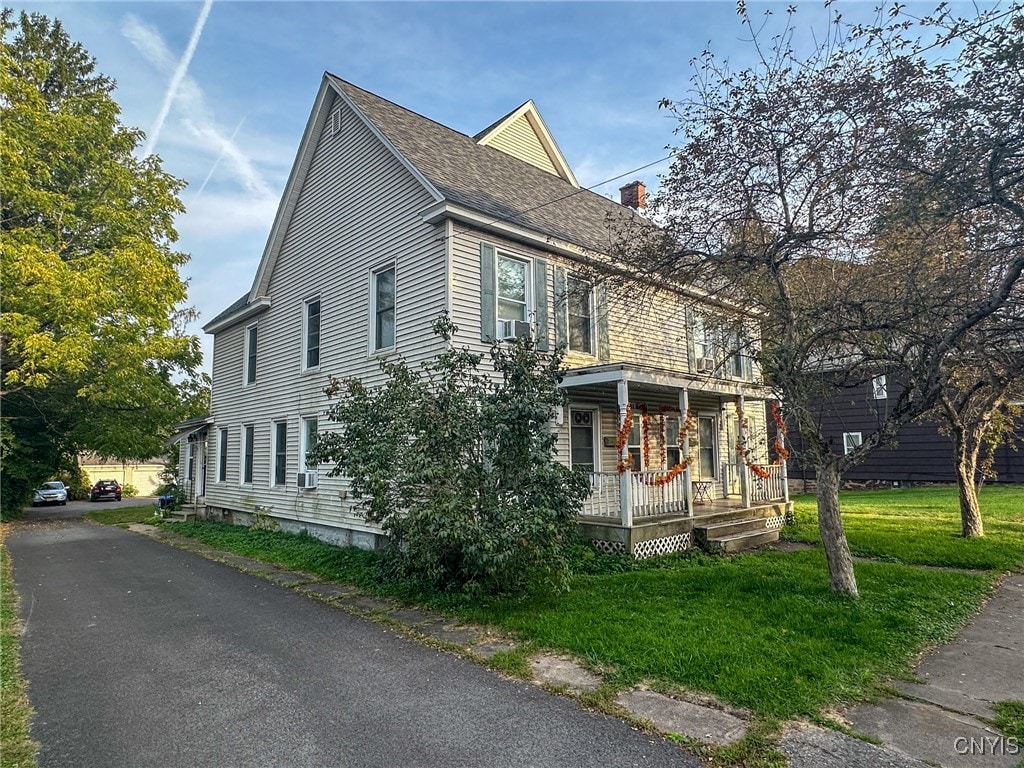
357, 210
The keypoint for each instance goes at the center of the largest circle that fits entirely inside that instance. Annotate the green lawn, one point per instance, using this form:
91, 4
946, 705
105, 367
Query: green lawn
760, 631
144, 513
17, 750
921, 526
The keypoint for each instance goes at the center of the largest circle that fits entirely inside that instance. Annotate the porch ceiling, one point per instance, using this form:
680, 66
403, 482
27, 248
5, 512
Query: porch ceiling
611, 373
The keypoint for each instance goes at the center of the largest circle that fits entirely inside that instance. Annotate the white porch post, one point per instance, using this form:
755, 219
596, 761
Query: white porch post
785, 468
625, 484
684, 410
745, 471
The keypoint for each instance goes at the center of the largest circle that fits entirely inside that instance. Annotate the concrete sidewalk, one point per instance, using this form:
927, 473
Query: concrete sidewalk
941, 721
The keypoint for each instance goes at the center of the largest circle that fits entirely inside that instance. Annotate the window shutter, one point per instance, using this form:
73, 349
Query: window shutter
690, 354
561, 304
488, 310
540, 302
601, 302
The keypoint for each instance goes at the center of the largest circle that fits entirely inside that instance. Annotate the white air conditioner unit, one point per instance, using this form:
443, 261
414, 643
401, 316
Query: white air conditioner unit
309, 479
705, 364
513, 329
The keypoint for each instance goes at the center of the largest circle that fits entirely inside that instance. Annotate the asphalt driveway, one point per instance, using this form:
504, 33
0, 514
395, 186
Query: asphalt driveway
140, 654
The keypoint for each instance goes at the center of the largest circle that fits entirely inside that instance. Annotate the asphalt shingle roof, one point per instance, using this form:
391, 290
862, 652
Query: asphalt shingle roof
492, 182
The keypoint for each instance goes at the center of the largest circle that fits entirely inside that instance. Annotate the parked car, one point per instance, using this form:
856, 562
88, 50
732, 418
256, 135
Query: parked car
105, 489
53, 492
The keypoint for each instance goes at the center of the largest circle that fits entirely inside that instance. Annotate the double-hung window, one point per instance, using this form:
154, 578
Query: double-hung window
580, 305
634, 445
248, 450
879, 390
222, 456
673, 442
309, 441
382, 309
513, 288
311, 335
280, 452
250, 354
851, 441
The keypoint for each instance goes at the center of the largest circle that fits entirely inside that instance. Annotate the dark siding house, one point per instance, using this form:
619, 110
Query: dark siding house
921, 453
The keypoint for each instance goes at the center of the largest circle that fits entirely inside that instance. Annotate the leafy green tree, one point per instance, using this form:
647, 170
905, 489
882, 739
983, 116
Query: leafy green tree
91, 328
456, 462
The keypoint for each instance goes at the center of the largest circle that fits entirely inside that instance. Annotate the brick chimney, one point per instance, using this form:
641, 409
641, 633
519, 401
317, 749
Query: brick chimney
633, 195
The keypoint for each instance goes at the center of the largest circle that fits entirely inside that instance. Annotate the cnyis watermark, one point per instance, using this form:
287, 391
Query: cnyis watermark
987, 745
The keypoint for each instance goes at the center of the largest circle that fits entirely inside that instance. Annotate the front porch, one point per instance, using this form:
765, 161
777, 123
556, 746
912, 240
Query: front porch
690, 455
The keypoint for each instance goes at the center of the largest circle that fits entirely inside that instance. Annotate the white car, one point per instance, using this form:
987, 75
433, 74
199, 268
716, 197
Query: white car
50, 493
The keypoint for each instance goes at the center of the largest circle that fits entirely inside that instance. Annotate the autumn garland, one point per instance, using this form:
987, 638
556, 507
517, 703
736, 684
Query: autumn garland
741, 441
626, 464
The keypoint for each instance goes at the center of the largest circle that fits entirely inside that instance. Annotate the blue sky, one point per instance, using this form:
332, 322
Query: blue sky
595, 70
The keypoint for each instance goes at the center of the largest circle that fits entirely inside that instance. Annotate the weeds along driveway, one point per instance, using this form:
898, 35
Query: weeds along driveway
139, 654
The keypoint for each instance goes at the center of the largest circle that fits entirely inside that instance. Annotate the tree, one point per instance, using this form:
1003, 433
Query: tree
457, 465
794, 179
91, 330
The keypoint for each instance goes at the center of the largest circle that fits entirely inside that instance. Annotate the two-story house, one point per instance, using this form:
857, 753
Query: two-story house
389, 219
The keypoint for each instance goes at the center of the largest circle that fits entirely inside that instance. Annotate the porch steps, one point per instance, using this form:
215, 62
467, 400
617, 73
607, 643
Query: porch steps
734, 534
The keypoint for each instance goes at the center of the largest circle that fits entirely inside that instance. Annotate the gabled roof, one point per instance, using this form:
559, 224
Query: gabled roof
543, 142
490, 181
453, 168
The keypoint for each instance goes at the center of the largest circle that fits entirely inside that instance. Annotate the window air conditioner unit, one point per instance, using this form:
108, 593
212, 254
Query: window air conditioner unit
309, 479
705, 364
513, 329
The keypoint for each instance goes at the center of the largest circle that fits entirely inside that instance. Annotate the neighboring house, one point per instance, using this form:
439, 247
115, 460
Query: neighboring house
143, 475
920, 454
388, 220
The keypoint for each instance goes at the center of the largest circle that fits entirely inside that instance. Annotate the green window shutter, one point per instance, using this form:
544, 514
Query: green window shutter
561, 304
540, 302
691, 358
601, 301
488, 285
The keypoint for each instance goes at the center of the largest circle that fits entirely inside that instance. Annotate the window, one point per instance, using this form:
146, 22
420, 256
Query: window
280, 451
850, 441
191, 472
878, 388
513, 289
673, 442
248, 448
312, 333
382, 308
706, 454
633, 445
250, 354
309, 441
222, 456
702, 343
582, 441
580, 305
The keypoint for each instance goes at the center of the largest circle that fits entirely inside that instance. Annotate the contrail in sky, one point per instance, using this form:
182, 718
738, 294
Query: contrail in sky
177, 77
224, 149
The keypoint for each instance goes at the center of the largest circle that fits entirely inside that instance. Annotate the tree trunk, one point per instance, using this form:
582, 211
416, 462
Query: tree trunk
833, 537
965, 456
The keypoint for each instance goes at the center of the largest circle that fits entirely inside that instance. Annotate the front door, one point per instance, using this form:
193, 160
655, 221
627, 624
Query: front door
583, 439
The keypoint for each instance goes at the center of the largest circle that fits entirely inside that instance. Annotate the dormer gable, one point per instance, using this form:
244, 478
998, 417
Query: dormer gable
523, 135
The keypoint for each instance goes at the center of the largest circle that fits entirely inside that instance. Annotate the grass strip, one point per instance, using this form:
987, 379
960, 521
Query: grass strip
144, 513
1010, 719
17, 750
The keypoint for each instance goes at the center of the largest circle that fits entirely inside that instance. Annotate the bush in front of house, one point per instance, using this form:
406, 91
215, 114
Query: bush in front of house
129, 491
457, 465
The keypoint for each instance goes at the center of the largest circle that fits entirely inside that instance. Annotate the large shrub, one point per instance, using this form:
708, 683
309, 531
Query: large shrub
456, 463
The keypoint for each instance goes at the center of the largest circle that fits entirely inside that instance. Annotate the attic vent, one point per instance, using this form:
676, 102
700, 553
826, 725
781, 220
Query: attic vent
336, 122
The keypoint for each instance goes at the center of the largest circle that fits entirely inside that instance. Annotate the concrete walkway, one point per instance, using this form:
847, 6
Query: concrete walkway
942, 720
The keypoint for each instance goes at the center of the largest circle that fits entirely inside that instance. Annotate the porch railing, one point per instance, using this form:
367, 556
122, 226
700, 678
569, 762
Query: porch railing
604, 497
771, 488
648, 499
